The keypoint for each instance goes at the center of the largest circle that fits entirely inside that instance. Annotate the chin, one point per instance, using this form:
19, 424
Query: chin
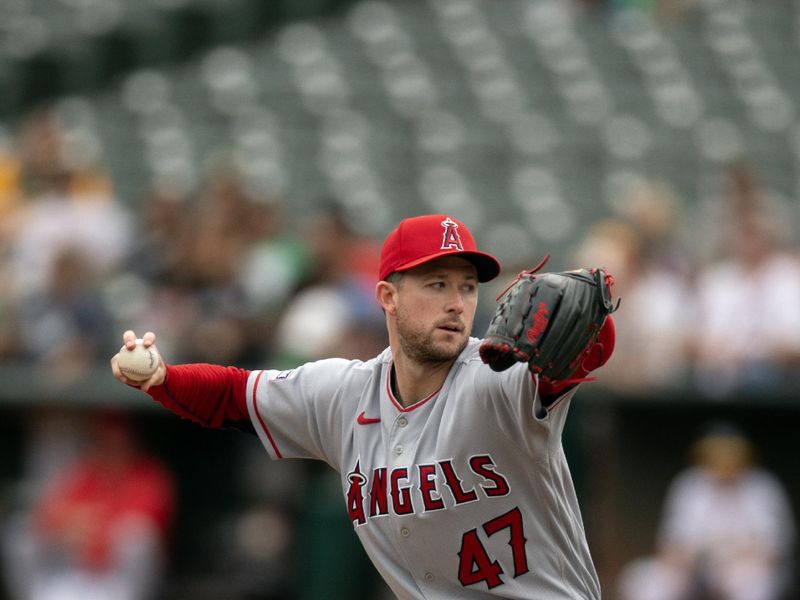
451, 349
433, 347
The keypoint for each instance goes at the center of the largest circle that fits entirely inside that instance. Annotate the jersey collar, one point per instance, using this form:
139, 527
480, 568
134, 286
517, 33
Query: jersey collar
396, 402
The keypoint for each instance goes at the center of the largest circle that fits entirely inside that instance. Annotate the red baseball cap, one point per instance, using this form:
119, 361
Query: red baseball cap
418, 240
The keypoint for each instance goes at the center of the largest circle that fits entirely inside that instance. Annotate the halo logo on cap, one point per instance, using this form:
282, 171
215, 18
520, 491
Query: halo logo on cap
451, 239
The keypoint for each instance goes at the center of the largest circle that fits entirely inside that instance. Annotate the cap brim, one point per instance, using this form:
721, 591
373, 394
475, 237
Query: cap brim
486, 265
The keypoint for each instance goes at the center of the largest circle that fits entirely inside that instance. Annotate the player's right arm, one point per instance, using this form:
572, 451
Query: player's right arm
210, 395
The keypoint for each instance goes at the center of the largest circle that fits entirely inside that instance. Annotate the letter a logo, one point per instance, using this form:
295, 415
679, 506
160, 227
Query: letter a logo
450, 238
355, 495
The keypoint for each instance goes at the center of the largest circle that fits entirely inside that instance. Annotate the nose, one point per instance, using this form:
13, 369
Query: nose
455, 302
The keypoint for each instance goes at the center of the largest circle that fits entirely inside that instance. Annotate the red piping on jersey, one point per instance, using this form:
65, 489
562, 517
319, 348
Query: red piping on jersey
555, 404
260, 420
551, 407
399, 406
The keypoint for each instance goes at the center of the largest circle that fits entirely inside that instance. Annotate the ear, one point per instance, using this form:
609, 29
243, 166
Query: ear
386, 294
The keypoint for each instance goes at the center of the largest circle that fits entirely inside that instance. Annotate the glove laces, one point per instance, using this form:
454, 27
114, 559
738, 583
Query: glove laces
522, 274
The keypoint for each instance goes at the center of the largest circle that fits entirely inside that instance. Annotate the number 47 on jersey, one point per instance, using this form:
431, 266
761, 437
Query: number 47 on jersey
475, 564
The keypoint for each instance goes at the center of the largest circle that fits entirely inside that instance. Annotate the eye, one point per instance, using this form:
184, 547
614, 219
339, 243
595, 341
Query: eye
469, 288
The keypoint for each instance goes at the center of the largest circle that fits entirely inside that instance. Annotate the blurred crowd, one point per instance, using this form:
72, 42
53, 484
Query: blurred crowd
212, 274
711, 299
710, 302
710, 287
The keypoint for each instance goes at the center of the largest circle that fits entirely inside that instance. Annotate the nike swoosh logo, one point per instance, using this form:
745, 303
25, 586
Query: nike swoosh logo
364, 420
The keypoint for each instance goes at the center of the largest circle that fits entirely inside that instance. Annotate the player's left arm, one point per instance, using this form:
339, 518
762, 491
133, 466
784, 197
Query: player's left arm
559, 324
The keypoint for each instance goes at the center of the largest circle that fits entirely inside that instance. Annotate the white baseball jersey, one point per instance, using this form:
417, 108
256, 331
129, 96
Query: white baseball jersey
465, 494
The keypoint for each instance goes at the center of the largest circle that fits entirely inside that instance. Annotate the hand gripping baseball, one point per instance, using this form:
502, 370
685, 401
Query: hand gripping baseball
548, 320
129, 343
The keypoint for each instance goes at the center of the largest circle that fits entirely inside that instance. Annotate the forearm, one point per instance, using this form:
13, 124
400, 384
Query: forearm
210, 395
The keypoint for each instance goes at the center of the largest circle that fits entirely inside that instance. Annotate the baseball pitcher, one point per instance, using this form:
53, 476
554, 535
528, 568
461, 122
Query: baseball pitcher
449, 447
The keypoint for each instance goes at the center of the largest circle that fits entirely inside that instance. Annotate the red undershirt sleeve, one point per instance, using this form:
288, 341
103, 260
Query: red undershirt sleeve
210, 395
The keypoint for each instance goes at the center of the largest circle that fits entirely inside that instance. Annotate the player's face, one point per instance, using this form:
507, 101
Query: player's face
436, 305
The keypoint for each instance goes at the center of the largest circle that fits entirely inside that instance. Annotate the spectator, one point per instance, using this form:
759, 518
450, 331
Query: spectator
274, 265
67, 326
62, 234
154, 256
99, 528
66, 204
727, 529
651, 277
336, 308
747, 329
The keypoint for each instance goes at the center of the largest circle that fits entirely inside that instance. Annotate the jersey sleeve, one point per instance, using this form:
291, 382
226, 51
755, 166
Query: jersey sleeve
298, 413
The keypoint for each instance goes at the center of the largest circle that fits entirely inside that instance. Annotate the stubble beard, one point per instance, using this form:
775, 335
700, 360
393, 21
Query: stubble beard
420, 346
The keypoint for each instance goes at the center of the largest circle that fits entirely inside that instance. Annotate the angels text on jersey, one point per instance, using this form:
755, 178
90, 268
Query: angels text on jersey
419, 488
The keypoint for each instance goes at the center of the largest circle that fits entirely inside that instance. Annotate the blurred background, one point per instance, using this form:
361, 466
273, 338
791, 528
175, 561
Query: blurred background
222, 172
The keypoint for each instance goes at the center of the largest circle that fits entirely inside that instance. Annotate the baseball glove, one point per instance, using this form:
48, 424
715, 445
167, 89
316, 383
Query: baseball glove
548, 320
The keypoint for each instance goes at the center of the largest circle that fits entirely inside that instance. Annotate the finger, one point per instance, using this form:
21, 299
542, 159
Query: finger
156, 379
148, 339
116, 372
129, 339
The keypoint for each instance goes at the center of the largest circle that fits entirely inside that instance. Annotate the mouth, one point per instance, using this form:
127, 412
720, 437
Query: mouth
451, 327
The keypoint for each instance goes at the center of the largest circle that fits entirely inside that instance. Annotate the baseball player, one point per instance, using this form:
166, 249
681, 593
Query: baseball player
449, 447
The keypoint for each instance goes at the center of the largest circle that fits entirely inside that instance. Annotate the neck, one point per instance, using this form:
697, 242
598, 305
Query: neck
413, 381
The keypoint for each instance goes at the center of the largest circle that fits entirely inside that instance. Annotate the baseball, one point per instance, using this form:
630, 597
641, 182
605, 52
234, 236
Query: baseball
137, 364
